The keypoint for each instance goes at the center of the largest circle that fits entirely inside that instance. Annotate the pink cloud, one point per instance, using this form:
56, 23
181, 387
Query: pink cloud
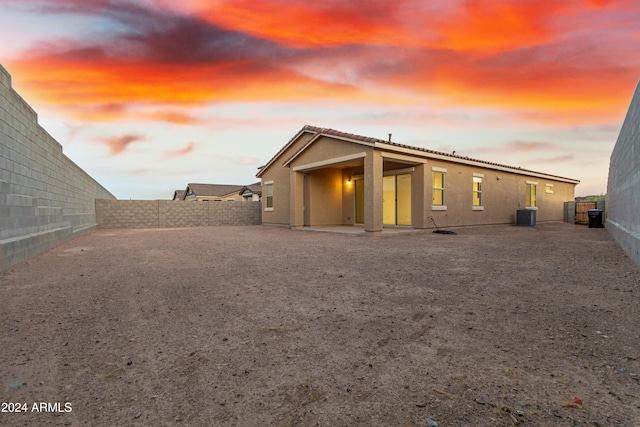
118, 144
528, 146
172, 154
568, 159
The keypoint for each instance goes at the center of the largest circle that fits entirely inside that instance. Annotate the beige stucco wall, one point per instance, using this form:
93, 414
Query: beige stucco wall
503, 193
328, 187
325, 197
320, 150
280, 215
421, 196
348, 197
373, 173
326, 148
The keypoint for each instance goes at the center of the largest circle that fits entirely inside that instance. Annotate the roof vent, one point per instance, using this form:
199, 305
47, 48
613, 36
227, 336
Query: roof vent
389, 137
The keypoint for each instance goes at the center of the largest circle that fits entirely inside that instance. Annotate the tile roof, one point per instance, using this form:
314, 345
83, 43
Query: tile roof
179, 194
373, 141
394, 144
214, 190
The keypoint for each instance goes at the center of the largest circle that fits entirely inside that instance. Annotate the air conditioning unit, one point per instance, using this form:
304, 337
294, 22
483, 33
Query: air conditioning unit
526, 217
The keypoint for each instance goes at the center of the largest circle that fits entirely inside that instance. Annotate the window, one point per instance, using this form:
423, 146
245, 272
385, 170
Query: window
548, 188
531, 194
477, 191
438, 188
268, 192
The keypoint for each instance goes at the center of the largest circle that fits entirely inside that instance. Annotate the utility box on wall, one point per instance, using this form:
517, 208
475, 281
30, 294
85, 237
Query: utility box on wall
570, 212
526, 217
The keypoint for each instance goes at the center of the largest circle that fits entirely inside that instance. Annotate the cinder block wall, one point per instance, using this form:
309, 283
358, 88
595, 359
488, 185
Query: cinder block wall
623, 188
45, 198
174, 213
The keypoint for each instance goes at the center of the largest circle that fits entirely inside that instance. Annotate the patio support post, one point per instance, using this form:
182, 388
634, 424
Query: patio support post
373, 191
297, 199
420, 197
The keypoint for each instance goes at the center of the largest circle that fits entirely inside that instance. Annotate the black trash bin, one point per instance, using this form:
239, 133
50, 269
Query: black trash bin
595, 218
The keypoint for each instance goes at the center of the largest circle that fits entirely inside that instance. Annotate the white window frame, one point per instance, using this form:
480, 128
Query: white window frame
528, 196
268, 184
548, 188
443, 171
479, 207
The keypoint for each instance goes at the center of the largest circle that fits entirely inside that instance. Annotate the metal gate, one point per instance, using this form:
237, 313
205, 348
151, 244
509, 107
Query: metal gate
582, 208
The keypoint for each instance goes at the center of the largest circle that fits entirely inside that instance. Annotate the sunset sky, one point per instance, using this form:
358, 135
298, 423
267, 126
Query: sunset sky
149, 95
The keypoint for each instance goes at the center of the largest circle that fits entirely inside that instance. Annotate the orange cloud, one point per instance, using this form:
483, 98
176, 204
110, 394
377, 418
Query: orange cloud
176, 117
495, 26
600, 3
526, 54
483, 26
469, 25
72, 83
309, 24
577, 81
520, 55
161, 58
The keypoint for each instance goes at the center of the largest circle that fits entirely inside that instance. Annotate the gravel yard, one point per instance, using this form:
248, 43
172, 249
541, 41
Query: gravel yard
266, 326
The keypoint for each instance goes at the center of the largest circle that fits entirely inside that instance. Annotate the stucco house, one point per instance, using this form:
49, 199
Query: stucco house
213, 192
252, 192
327, 177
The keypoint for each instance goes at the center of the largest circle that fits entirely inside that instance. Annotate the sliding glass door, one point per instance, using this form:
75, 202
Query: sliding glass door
396, 200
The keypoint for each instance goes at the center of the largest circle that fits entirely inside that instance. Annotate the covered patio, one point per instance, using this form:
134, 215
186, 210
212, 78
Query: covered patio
372, 189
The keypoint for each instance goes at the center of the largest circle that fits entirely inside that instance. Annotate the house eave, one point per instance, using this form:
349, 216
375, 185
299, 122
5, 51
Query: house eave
315, 138
472, 162
282, 150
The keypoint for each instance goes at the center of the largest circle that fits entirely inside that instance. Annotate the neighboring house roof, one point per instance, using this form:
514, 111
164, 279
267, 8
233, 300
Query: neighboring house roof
255, 188
317, 132
213, 190
179, 194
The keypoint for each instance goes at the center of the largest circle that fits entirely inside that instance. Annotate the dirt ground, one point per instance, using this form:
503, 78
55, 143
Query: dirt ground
260, 326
